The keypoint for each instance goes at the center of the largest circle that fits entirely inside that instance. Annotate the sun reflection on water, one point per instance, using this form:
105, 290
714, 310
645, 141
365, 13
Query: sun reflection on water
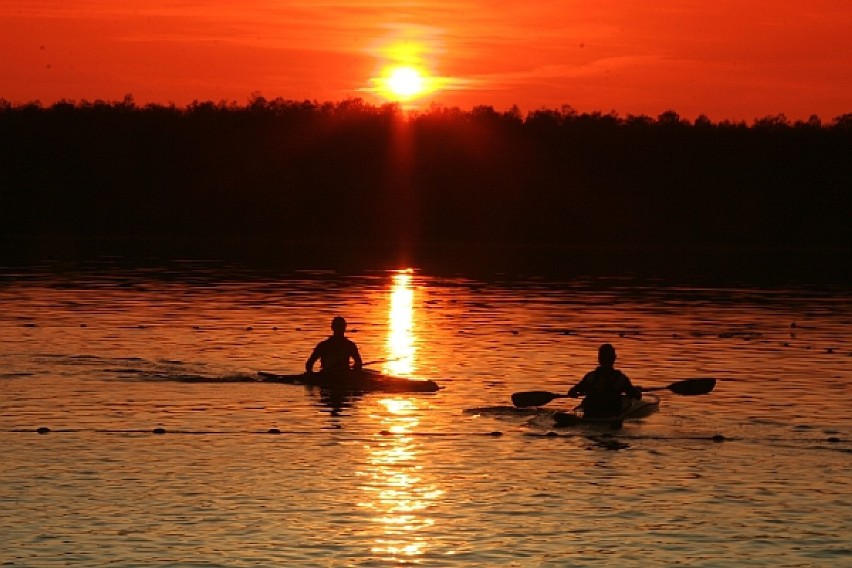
401, 331
400, 492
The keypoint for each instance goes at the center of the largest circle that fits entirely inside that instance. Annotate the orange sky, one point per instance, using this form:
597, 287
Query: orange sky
729, 59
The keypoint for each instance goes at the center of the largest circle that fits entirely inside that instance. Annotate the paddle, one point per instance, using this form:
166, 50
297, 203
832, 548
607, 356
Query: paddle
686, 387
535, 398
377, 361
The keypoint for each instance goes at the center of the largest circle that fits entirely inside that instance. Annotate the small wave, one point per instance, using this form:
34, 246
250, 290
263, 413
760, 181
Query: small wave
16, 375
506, 410
125, 371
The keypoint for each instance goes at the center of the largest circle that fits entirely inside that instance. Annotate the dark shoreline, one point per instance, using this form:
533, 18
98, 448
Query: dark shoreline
349, 186
710, 266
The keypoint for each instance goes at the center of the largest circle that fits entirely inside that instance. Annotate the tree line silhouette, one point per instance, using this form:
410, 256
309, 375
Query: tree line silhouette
353, 178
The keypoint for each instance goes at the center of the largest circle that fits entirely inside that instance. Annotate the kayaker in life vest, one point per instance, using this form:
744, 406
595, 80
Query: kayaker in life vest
335, 352
604, 386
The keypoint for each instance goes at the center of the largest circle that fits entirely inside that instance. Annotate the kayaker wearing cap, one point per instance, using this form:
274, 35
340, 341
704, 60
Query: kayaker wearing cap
335, 351
604, 386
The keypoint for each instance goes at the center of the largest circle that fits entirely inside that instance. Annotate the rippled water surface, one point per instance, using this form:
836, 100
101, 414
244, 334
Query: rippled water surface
256, 474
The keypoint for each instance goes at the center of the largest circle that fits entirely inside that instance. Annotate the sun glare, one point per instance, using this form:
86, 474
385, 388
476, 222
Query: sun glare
405, 66
405, 82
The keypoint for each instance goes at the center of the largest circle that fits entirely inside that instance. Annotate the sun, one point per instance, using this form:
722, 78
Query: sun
405, 82
405, 66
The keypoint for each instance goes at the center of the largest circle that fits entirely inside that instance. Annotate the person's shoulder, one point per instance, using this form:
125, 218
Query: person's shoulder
337, 341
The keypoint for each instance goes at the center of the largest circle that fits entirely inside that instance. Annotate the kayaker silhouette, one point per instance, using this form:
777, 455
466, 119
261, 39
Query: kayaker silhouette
604, 386
335, 352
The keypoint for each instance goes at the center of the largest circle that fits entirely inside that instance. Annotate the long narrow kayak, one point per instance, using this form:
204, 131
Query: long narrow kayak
354, 381
633, 409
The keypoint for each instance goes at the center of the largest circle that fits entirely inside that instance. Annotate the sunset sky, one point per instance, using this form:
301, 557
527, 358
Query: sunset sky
728, 59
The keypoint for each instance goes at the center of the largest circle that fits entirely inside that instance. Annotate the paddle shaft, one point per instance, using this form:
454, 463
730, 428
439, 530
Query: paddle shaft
687, 387
377, 361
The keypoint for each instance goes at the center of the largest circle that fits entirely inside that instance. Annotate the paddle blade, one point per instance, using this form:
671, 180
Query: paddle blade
691, 387
533, 398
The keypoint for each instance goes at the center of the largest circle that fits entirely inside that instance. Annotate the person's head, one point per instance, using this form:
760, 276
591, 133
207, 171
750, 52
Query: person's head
606, 355
338, 325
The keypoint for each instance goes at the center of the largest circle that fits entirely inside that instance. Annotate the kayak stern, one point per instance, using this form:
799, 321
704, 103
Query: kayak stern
633, 410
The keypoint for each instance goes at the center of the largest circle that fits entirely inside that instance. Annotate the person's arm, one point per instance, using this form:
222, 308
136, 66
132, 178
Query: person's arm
631, 390
356, 358
309, 364
579, 389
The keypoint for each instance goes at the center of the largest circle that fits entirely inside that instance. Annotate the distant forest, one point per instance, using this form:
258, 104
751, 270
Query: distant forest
281, 175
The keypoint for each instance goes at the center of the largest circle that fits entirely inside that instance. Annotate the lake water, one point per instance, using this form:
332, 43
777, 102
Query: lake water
755, 473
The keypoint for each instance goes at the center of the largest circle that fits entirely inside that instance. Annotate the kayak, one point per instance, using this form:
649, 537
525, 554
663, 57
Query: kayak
365, 380
632, 409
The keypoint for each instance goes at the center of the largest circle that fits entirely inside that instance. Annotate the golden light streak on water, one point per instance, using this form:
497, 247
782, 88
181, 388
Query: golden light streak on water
401, 329
101, 360
400, 491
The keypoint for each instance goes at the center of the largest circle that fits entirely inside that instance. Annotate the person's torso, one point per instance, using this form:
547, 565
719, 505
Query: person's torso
603, 391
335, 353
